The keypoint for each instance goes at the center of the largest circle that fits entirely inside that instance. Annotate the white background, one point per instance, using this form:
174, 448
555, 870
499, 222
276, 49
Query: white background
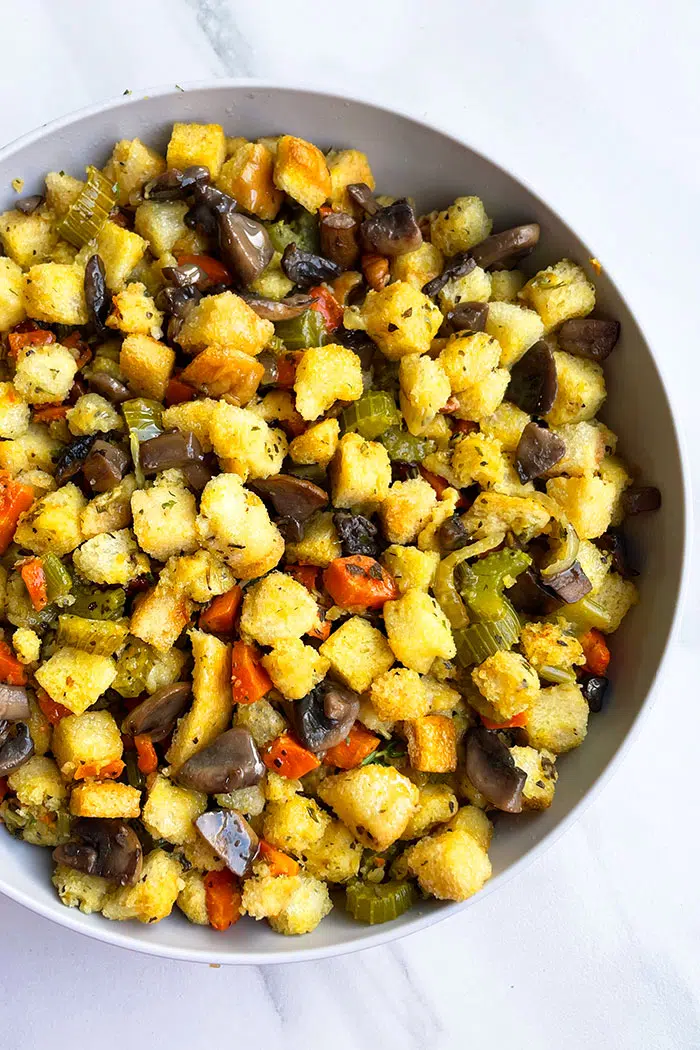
595, 104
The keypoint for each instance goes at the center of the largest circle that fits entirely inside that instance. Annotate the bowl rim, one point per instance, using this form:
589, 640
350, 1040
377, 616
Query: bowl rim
111, 933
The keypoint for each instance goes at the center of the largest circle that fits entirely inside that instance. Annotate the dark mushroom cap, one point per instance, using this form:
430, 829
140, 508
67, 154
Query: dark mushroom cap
641, 499
307, 269
158, 714
279, 309
105, 466
502, 250
453, 534
172, 449
537, 452
492, 771
613, 541
293, 498
533, 381
458, 266
245, 245
338, 239
14, 703
231, 762
17, 749
570, 585
213, 198
589, 337
325, 716
594, 688
186, 275
361, 194
358, 535
529, 594
392, 230
108, 848
109, 388
231, 837
467, 317
97, 299
71, 458
28, 205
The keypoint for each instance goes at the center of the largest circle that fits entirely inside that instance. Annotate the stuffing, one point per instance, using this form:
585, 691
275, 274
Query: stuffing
538, 790
594, 562
193, 417
295, 668
210, 713
195, 144
424, 390
508, 683
580, 389
14, 413
135, 313
250, 801
301, 171
557, 719
548, 645
476, 459
192, 898
78, 890
202, 575
12, 294
374, 802
558, 293
480, 400
164, 520
399, 694
614, 472
121, 251
44, 373
432, 743
418, 267
234, 523
53, 523
360, 473
92, 414
494, 512
317, 444
464, 224
225, 321
399, 318
320, 543
83, 745
324, 375
428, 536
292, 904
516, 329
170, 811
443, 698
277, 406
130, 166
335, 857
154, 895
146, 365
161, 224
606, 607
27, 645
505, 285
588, 503
159, 616
76, 679
27, 239
474, 287
247, 176
219, 370
248, 445
107, 798
294, 824
436, 804
54, 293
345, 167
165, 669
38, 782
272, 282
358, 653
369, 718
475, 822
277, 608
199, 854
262, 721
109, 511
450, 865
111, 557
586, 445
469, 359
411, 567
407, 509
418, 630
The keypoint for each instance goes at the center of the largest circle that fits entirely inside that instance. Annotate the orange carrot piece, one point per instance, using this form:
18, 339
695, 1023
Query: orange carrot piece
176, 392
596, 651
215, 270
517, 720
278, 862
11, 670
321, 629
93, 769
306, 575
17, 341
223, 899
52, 711
32, 572
327, 306
287, 369
50, 413
359, 581
249, 678
14, 500
147, 760
220, 614
356, 747
288, 758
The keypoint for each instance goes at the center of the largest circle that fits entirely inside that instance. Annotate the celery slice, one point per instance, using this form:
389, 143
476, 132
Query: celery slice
308, 329
558, 675
88, 214
405, 447
95, 604
58, 581
481, 640
378, 902
132, 668
374, 413
444, 587
103, 637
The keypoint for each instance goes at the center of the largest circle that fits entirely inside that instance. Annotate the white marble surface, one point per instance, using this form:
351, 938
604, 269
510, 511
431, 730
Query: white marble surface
596, 945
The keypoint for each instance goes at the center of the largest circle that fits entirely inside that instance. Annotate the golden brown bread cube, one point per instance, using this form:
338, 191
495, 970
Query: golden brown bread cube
154, 895
432, 743
248, 177
301, 171
76, 679
418, 630
222, 370
449, 865
131, 165
197, 144
374, 802
147, 365
358, 653
107, 798
12, 294
225, 321
54, 292
91, 739
212, 706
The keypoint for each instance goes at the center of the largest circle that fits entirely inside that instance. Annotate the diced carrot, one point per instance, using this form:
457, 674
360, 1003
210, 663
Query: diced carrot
32, 572
358, 744
359, 581
327, 306
278, 862
220, 614
287, 369
17, 341
321, 629
307, 575
249, 678
14, 500
52, 711
324, 211
147, 758
439, 484
215, 270
288, 758
83, 353
11, 670
176, 392
223, 899
50, 413
596, 651
111, 771
517, 720
465, 426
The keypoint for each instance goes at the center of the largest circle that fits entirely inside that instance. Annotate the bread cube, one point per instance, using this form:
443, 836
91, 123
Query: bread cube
53, 523
410, 567
134, 312
248, 177
170, 811
474, 822
112, 557
302, 172
559, 293
586, 445
469, 359
277, 608
44, 373
399, 318
508, 683
234, 523
160, 615
272, 282
538, 791
515, 328
594, 562
250, 801
548, 644
120, 250
358, 653
78, 890
109, 511
326, 374
91, 739
320, 543
432, 743
199, 854
33, 450
360, 473
107, 798
37, 782
61, 192
192, 898
374, 802
335, 857
194, 416
587, 502
436, 804
425, 389
130, 166
557, 719
346, 167
399, 694
92, 414
249, 447
262, 721
615, 473
505, 285
27, 239
418, 267
164, 521
147, 365
12, 294
580, 390
418, 630
154, 895
494, 512
76, 679
606, 607
295, 824
210, 713
449, 865
292, 904
406, 509
295, 668
195, 144
14, 412
428, 538
474, 287
201, 576
161, 224
464, 224
225, 321
217, 371
27, 645
480, 400
54, 293
317, 444
477, 459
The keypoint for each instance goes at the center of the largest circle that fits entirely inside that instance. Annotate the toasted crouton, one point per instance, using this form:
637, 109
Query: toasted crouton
222, 370
106, 798
146, 365
358, 653
12, 294
211, 709
248, 177
55, 293
432, 743
225, 321
111, 557
374, 802
302, 172
450, 865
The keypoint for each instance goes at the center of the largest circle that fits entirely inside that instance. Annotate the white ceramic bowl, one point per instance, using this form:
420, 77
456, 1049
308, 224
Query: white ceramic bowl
407, 157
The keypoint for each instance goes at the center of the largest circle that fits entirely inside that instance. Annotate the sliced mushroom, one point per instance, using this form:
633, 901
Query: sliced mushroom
279, 309
589, 337
231, 837
467, 317
173, 449
107, 848
174, 184
453, 534
533, 381
178, 301
392, 230
338, 237
537, 452
458, 266
72, 457
5, 730
530, 595
197, 473
215, 199
269, 362
105, 466
325, 716
594, 688
97, 299
17, 749
186, 275
492, 770
158, 714
231, 762
569, 585
109, 388
358, 535
307, 269
613, 541
502, 250
245, 245
641, 499
201, 217
361, 194
14, 703
28, 205
293, 498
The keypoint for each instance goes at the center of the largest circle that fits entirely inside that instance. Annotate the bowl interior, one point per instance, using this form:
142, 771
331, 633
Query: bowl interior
407, 158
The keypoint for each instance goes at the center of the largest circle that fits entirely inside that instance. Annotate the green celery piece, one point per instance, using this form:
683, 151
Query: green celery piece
378, 902
143, 417
372, 415
558, 675
88, 214
302, 230
132, 668
58, 580
103, 637
308, 329
481, 583
404, 446
481, 640
95, 604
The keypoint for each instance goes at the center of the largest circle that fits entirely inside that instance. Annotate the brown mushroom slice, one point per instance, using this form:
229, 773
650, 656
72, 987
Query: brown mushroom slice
614, 542
105, 466
533, 381
589, 337
361, 194
279, 309
458, 266
641, 499
569, 585
492, 771
109, 388
538, 451
231, 762
392, 230
28, 205
107, 848
307, 269
467, 317
338, 235
14, 703
325, 716
172, 449
294, 499
231, 837
187, 275
17, 749
245, 246
158, 714
502, 250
